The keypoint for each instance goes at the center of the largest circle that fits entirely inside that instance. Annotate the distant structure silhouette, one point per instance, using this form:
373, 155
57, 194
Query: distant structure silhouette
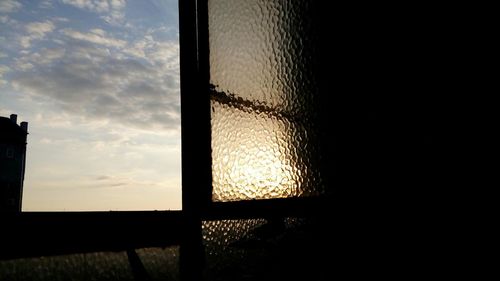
13, 139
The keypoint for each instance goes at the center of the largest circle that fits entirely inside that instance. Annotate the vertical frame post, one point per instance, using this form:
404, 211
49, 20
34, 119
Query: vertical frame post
196, 132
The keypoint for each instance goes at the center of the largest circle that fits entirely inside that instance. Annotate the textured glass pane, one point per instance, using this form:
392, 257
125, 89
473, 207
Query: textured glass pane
263, 88
159, 264
219, 235
93, 266
259, 249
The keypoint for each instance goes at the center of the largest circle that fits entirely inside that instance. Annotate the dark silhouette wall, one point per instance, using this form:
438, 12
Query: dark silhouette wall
12, 163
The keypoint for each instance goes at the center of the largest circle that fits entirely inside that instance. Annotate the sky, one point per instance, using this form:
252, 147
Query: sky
98, 83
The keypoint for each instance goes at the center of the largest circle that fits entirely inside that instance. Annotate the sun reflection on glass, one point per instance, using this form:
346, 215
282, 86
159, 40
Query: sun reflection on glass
262, 170
258, 153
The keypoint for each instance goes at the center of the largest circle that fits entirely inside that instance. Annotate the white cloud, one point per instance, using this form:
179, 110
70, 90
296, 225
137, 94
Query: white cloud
43, 57
82, 4
36, 31
3, 69
40, 28
9, 6
48, 55
60, 19
25, 41
164, 54
98, 31
6, 20
112, 11
137, 49
167, 54
24, 66
83, 78
101, 6
118, 4
96, 36
46, 4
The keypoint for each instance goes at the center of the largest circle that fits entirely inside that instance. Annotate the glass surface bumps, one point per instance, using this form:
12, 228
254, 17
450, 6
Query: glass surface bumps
262, 98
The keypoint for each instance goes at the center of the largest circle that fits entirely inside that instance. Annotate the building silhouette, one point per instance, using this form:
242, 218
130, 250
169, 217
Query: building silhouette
12, 162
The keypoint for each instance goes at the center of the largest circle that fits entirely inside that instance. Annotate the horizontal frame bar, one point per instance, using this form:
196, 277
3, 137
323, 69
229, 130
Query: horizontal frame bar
34, 234
262, 208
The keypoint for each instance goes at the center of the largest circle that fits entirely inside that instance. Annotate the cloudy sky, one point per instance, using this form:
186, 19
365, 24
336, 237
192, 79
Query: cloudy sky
98, 83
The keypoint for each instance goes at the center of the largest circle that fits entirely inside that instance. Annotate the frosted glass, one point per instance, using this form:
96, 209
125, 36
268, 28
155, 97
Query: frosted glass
93, 266
222, 253
262, 98
257, 249
159, 263
219, 235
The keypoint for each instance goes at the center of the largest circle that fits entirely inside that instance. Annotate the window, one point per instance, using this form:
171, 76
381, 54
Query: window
346, 236
125, 230
10, 152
